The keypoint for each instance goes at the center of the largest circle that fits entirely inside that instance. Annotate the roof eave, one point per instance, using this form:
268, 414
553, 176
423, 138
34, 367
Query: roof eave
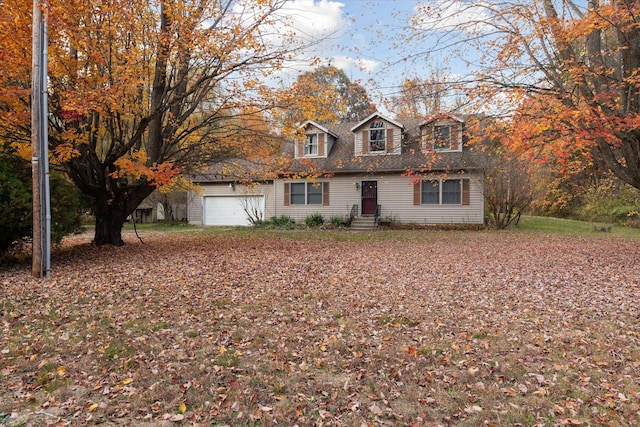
376, 114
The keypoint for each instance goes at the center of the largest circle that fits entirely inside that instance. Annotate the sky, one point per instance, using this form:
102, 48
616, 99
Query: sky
367, 39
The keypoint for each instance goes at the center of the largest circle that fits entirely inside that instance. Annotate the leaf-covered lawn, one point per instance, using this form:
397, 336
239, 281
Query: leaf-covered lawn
425, 328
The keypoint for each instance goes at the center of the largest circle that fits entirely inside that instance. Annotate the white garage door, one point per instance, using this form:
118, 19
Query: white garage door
230, 210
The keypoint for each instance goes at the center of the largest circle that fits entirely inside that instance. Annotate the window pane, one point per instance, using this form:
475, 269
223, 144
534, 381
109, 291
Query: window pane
297, 193
311, 145
430, 192
314, 193
441, 137
377, 136
451, 192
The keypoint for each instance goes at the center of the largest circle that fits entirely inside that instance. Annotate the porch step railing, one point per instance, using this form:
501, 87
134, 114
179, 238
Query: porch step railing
363, 223
359, 222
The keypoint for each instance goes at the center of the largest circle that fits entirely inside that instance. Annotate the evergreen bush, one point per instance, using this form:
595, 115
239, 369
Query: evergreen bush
16, 221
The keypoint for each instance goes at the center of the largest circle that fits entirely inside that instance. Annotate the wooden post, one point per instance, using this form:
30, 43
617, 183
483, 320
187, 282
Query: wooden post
39, 160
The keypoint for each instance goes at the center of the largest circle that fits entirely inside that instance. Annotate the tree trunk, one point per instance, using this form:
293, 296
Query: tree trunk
109, 221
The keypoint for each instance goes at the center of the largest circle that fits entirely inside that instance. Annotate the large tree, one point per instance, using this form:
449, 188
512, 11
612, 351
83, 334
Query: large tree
419, 97
326, 95
141, 90
571, 67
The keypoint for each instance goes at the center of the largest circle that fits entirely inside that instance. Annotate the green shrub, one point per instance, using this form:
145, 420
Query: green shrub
15, 199
610, 201
16, 223
336, 221
68, 205
282, 221
314, 220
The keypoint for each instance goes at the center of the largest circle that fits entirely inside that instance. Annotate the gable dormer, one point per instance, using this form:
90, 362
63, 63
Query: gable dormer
442, 133
317, 141
377, 135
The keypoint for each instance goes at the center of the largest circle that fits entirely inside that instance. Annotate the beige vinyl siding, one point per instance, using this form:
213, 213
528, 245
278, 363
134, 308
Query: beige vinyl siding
395, 196
339, 193
195, 203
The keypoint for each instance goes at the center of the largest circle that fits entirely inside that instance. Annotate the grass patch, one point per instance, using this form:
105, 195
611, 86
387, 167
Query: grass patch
480, 335
284, 228
52, 377
227, 360
400, 321
538, 224
159, 326
159, 226
221, 303
117, 349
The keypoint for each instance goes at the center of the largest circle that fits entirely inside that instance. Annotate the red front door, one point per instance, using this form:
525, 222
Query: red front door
369, 197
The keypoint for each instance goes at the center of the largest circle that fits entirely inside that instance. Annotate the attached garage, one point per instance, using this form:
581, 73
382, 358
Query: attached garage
230, 210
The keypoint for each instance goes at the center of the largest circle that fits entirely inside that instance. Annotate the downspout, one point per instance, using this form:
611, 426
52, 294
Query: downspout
275, 198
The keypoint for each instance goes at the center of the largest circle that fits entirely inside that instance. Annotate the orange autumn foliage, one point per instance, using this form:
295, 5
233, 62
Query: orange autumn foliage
564, 76
141, 91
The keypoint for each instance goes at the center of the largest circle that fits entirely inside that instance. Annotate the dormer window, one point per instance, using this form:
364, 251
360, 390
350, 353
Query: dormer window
311, 145
377, 136
441, 137
446, 137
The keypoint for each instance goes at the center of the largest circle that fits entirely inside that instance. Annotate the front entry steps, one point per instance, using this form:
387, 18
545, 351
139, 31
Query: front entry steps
363, 223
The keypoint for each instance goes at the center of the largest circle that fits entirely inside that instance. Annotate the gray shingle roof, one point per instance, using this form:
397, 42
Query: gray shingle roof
342, 159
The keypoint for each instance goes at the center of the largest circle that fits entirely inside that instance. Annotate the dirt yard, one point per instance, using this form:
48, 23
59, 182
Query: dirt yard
415, 328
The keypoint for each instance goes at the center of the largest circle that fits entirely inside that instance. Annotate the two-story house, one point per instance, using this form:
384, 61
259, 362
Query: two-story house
409, 171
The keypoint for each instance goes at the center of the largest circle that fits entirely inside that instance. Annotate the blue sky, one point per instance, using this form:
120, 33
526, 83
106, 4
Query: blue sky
368, 40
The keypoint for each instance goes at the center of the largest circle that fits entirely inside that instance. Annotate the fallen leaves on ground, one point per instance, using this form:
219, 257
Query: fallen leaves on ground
420, 328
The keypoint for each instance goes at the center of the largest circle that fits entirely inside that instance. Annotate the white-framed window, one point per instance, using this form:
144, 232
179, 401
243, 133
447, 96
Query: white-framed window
298, 195
446, 137
441, 192
377, 136
311, 145
306, 193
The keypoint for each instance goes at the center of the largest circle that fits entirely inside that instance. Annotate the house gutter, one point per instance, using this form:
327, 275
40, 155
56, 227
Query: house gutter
376, 171
275, 199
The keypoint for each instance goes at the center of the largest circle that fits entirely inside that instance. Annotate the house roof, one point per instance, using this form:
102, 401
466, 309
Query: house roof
442, 116
233, 170
342, 158
319, 126
376, 114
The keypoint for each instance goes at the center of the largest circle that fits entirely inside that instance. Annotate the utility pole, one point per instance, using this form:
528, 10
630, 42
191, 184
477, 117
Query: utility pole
39, 144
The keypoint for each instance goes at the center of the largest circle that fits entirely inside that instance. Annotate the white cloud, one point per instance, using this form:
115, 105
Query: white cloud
311, 28
301, 22
347, 63
313, 20
321, 25
368, 65
452, 15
